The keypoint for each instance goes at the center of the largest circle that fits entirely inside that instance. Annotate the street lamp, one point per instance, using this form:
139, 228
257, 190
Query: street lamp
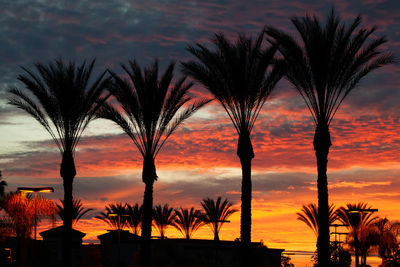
356, 241
9, 257
118, 215
35, 190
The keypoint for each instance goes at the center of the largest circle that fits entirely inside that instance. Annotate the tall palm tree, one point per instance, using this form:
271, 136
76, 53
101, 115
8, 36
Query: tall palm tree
216, 213
325, 65
163, 216
151, 111
309, 215
237, 75
358, 222
134, 217
77, 210
62, 99
188, 221
117, 221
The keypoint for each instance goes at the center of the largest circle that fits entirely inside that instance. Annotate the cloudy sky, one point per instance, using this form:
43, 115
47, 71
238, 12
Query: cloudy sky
200, 159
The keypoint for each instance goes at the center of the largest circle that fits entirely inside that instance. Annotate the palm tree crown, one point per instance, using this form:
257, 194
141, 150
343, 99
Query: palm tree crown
309, 215
331, 61
118, 220
187, 221
359, 224
325, 65
134, 217
163, 216
61, 100
238, 76
77, 210
216, 213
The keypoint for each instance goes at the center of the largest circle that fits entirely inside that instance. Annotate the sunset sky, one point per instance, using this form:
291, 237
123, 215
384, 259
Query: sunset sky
200, 160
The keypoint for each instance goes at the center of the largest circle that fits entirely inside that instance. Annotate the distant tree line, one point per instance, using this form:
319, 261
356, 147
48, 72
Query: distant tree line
186, 220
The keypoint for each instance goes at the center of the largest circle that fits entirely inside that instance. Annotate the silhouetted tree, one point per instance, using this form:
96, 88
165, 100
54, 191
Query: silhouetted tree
325, 65
188, 221
239, 78
61, 99
149, 115
134, 218
358, 223
163, 216
309, 215
20, 210
114, 216
77, 210
216, 213
387, 232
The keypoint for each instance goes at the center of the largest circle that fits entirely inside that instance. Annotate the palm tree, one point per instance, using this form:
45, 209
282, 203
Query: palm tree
188, 221
149, 115
77, 210
216, 213
358, 222
325, 65
163, 216
387, 232
114, 216
237, 75
309, 215
61, 99
134, 218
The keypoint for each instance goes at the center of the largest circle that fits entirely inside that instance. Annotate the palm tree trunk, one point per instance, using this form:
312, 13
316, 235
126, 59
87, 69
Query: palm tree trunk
67, 172
322, 142
246, 154
148, 176
216, 235
356, 247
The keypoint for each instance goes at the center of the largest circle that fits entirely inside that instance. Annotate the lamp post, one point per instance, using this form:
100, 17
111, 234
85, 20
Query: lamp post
35, 190
9, 257
356, 241
118, 215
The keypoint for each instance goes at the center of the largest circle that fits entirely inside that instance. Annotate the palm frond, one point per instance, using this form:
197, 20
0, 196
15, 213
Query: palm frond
188, 221
59, 97
163, 216
329, 61
237, 74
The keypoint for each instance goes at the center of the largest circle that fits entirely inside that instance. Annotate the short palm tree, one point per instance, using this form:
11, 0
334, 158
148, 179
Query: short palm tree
309, 215
151, 110
134, 218
358, 222
216, 213
238, 76
62, 99
77, 210
188, 221
115, 216
325, 65
163, 217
